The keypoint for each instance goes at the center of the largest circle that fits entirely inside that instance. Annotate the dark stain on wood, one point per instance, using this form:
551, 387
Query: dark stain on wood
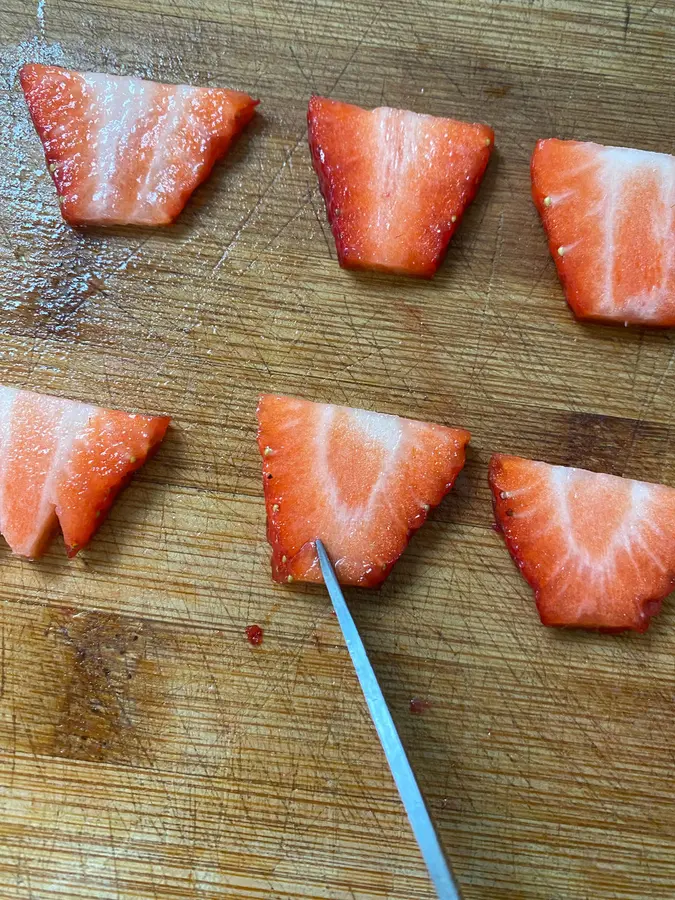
498, 90
107, 680
619, 446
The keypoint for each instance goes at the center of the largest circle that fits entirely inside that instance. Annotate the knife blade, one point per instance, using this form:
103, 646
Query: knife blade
401, 770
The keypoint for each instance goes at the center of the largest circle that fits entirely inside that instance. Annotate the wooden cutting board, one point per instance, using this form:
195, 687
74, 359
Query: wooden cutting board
147, 750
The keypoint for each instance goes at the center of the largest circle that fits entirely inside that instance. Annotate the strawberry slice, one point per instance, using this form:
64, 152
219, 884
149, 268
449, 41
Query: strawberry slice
608, 214
599, 551
396, 183
360, 481
66, 461
127, 151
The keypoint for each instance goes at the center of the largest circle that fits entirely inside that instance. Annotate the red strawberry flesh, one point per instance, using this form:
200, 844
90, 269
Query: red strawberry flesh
608, 214
598, 550
63, 462
125, 150
396, 183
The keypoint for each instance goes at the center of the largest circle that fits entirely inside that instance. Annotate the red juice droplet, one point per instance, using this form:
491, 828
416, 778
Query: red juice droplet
254, 633
419, 706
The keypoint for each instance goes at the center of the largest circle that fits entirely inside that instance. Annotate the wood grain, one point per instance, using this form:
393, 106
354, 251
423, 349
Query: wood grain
146, 749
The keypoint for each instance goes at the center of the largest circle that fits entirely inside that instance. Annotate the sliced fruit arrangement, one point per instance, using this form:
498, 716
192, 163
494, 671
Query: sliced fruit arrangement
608, 214
129, 151
599, 551
360, 481
396, 183
64, 462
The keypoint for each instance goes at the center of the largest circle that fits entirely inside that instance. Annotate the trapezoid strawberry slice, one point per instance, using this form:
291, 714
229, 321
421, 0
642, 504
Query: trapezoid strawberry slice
598, 550
124, 151
62, 463
608, 215
396, 183
360, 481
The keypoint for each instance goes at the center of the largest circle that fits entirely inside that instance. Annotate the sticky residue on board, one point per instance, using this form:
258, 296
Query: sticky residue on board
106, 686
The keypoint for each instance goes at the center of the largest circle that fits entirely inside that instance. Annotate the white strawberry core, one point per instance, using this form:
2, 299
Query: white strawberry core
594, 541
380, 432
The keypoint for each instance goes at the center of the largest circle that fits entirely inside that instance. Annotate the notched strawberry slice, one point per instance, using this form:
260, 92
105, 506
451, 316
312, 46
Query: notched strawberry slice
360, 481
128, 151
608, 214
598, 551
63, 463
396, 183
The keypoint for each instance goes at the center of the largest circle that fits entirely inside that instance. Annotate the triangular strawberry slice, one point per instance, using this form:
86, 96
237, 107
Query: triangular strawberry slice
64, 461
360, 481
599, 551
396, 183
128, 151
608, 214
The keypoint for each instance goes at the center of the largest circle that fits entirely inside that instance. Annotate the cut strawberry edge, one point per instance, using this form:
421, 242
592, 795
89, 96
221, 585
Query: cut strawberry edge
304, 565
539, 197
503, 513
160, 427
